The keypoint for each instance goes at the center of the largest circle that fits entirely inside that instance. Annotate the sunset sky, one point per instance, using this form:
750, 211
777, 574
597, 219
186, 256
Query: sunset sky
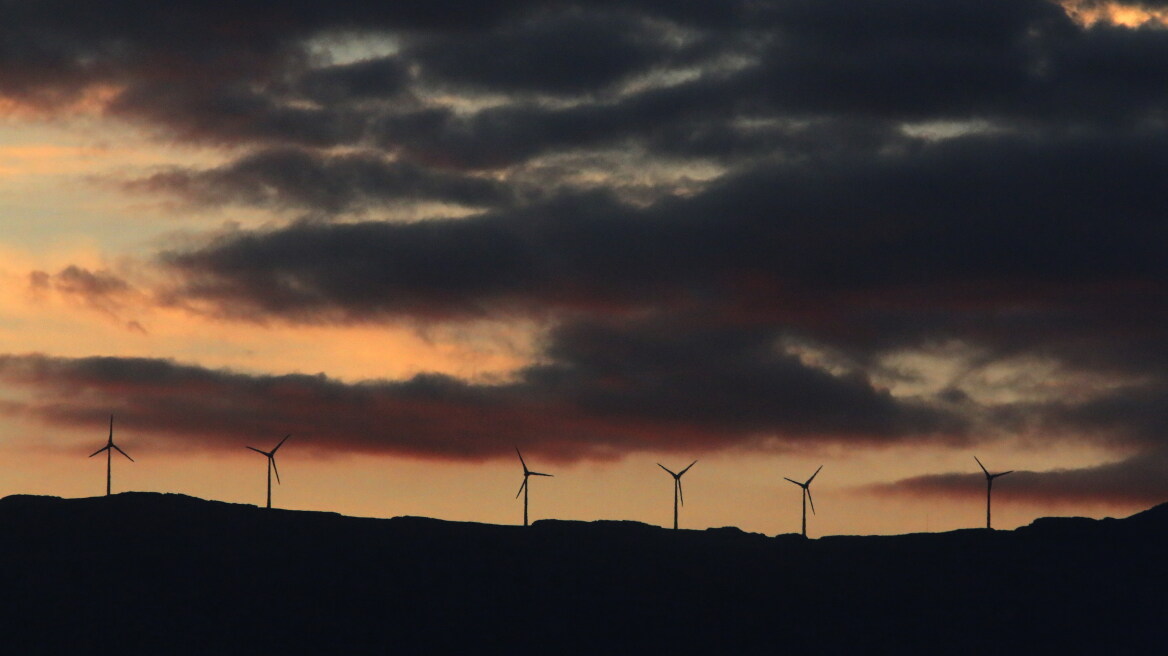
882, 237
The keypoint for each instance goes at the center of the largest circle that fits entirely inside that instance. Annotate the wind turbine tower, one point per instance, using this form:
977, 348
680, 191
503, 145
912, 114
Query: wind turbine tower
109, 452
523, 487
272, 465
989, 486
806, 497
677, 493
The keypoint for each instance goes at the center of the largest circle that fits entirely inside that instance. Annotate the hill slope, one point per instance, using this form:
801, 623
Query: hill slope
152, 573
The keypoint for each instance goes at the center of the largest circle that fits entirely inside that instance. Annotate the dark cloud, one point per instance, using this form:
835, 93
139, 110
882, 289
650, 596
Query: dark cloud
568, 408
972, 225
581, 51
224, 74
368, 79
1019, 65
304, 179
1135, 480
91, 284
424, 269
905, 59
562, 253
1136, 413
242, 75
700, 372
1015, 63
102, 291
505, 135
1043, 245
234, 114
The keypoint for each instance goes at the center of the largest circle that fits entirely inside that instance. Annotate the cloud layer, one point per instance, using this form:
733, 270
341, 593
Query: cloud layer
588, 401
1138, 480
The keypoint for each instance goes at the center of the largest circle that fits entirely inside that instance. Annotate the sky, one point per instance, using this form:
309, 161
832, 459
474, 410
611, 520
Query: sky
766, 235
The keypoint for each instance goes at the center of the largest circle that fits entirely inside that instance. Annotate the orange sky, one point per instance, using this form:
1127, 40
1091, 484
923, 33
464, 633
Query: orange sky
741, 490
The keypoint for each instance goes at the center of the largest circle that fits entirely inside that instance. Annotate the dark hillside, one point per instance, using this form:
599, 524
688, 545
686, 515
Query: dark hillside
152, 574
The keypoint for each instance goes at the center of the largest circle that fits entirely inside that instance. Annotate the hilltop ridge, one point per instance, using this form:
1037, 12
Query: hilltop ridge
167, 573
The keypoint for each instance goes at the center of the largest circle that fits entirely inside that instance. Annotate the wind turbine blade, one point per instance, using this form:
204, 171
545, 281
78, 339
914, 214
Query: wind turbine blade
258, 451
795, 482
1005, 472
122, 452
539, 474
272, 459
987, 473
814, 475
682, 472
525, 471
99, 451
281, 443
111, 435
807, 491
680, 491
521, 486
667, 469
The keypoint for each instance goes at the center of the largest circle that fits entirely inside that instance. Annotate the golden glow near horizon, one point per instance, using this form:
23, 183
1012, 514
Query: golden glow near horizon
724, 490
1115, 13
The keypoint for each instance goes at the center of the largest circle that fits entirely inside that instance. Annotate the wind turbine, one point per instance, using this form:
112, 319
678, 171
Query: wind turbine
523, 487
272, 465
109, 452
989, 486
807, 497
677, 493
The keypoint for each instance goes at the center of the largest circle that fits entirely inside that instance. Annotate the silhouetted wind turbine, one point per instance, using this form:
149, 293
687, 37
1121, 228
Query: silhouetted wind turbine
523, 487
272, 465
989, 486
109, 452
677, 493
807, 497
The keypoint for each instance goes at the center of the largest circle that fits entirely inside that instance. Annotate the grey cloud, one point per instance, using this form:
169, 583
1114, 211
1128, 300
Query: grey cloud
233, 114
1033, 222
102, 291
233, 75
1039, 245
385, 77
567, 409
1136, 413
76, 280
700, 371
1135, 480
581, 51
304, 179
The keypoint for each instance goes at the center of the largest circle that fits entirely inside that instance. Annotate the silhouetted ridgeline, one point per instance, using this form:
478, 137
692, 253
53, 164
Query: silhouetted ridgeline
158, 574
